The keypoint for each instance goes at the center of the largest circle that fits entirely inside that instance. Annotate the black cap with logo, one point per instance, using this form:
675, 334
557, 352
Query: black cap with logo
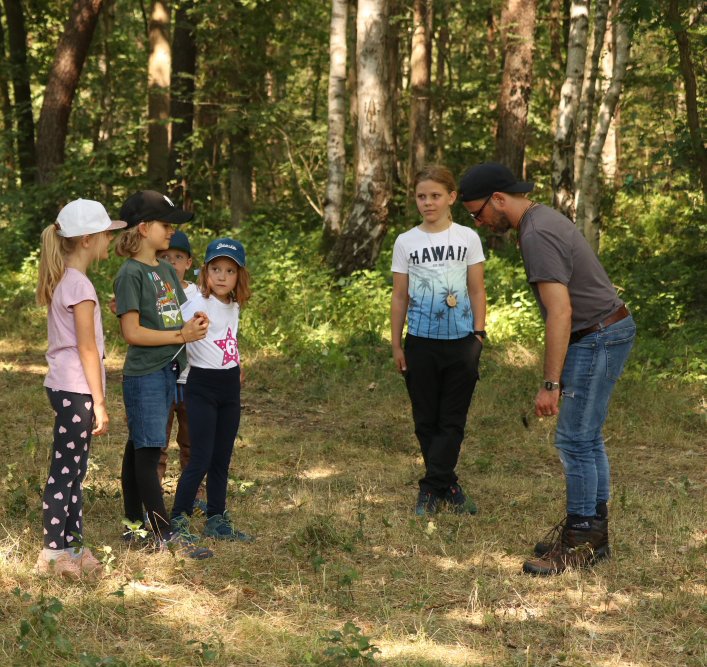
148, 205
482, 180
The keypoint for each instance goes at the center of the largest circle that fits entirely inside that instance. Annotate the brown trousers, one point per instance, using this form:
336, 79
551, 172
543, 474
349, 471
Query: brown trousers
182, 439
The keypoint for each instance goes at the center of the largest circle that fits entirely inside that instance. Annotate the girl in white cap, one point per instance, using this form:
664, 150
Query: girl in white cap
76, 378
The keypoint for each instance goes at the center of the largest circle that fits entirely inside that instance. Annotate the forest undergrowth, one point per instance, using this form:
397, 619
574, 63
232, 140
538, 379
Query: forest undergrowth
324, 476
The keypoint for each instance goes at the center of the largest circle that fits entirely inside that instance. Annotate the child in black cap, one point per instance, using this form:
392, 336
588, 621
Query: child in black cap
147, 299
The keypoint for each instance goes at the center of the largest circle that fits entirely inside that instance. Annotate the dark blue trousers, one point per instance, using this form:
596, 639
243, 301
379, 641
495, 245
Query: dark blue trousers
213, 399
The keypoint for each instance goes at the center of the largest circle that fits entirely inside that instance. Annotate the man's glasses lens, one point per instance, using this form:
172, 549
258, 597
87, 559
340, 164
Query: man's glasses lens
476, 215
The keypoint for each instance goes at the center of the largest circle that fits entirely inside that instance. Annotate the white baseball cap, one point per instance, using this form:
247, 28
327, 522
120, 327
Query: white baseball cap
85, 216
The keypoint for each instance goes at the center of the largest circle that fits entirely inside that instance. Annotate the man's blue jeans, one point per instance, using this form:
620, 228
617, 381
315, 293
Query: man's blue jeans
591, 369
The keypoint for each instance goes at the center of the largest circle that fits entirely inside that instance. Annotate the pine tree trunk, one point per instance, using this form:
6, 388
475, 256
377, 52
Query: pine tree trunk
336, 127
590, 176
17, 39
555, 60
61, 86
158, 75
6, 106
394, 81
586, 104
518, 36
562, 170
688, 75
419, 89
181, 102
366, 223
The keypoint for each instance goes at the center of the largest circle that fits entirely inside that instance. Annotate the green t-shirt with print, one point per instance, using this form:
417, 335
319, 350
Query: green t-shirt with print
155, 293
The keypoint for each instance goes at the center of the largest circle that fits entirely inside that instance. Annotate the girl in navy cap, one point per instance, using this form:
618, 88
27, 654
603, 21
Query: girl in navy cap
213, 392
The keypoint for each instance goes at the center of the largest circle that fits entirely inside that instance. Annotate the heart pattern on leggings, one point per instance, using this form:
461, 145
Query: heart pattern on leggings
66, 402
62, 429
76, 419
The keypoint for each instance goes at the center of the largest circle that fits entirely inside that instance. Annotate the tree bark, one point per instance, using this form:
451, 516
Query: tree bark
688, 75
181, 103
586, 104
158, 75
336, 127
366, 224
518, 32
442, 41
17, 38
562, 169
241, 175
590, 176
591, 72
420, 58
555, 60
6, 106
61, 86
352, 83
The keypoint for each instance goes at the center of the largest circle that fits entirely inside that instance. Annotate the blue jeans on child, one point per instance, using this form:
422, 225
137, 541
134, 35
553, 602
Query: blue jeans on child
591, 369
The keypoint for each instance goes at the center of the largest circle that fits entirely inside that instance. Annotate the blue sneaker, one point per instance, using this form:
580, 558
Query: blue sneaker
426, 503
200, 505
458, 502
219, 527
181, 538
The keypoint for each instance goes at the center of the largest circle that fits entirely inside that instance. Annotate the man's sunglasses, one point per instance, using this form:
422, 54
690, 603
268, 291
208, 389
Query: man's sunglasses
476, 215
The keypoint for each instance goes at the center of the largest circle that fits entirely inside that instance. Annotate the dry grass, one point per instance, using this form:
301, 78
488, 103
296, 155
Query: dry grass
334, 464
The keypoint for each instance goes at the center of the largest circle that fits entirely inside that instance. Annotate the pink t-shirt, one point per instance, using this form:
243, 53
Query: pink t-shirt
65, 369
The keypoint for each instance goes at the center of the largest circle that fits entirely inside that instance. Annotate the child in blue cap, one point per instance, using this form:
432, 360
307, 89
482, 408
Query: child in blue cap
179, 256
213, 391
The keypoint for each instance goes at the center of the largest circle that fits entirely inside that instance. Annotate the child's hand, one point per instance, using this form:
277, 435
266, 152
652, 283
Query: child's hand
202, 316
399, 360
195, 328
111, 304
100, 420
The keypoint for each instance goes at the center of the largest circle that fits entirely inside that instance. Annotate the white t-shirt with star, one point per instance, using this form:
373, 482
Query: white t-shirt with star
219, 349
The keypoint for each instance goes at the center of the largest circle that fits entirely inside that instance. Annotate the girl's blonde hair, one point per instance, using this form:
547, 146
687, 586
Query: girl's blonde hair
240, 293
52, 260
438, 174
129, 241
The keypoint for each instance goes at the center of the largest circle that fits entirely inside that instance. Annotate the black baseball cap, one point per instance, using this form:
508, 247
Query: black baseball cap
482, 180
148, 205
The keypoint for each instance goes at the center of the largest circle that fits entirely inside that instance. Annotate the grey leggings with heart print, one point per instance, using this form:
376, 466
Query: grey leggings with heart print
61, 504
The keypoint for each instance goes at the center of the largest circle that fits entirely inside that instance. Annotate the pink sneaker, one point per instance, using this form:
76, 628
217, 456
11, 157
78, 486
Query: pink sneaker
89, 563
62, 566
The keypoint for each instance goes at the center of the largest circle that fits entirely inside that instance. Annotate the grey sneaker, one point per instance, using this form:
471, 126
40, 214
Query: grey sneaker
181, 538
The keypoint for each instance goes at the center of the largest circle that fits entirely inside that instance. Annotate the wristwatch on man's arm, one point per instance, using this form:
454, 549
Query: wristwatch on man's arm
551, 386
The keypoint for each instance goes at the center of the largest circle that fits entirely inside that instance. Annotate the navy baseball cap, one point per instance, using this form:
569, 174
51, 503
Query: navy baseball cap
148, 205
225, 248
179, 241
482, 180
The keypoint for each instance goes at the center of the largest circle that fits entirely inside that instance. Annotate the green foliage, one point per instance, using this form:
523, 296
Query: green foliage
349, 647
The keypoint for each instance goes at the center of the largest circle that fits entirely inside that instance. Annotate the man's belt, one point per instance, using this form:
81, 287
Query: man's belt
619, 315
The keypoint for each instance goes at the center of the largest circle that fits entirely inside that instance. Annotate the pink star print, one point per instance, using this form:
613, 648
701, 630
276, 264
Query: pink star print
229, 347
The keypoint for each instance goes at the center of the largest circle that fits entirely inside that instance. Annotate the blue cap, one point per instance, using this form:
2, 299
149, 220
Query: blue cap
225, 248
179, 241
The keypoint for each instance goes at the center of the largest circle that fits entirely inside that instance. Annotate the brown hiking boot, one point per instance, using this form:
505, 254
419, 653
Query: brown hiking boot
570, 548
599, 535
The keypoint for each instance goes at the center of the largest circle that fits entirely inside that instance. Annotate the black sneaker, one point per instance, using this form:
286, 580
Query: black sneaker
426, 503
458, 502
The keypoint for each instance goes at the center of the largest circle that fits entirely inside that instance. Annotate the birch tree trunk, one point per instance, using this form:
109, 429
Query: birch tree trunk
366, 223
181, 102
562, 170
336, 127
518, 30
352, 84
586, 104
158, 75
688, 75
61, 85
420, 58
590, 176
17, 39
